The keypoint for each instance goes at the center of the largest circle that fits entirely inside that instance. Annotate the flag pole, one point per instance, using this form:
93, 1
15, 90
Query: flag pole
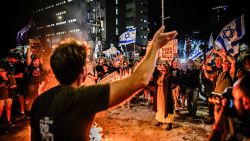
134, 50
126, 52
162, 12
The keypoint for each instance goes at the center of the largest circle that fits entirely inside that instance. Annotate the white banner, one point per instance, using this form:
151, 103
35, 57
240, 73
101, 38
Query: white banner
110, 78
169, 51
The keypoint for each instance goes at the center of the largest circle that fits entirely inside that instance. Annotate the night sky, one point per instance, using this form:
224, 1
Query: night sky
189, 15
15, 15
186, 16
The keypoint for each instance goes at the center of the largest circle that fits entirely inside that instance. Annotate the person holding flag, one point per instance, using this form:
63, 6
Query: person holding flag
128, 37
229, 37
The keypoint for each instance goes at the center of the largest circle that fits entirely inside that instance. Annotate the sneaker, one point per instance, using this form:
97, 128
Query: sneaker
22, 115
156, 123
167, 126
170, 126
10, 124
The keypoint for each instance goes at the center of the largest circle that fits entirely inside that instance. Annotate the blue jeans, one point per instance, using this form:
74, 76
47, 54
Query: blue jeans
192, 97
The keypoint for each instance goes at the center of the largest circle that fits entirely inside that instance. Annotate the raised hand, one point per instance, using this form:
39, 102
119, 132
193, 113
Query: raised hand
161, 38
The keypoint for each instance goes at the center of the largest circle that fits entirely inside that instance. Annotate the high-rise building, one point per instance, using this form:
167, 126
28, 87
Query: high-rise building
122, 15
218, 13
137, 16
92, 20
60, 18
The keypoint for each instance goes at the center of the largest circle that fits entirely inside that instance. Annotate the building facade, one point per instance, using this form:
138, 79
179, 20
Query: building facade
97, 21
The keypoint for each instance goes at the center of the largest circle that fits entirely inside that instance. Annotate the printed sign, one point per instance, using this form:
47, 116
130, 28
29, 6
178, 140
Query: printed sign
110, 78
169, 51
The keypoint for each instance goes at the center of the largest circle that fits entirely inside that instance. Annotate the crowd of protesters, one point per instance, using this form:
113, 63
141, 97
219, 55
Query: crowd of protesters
20, 83
173, 86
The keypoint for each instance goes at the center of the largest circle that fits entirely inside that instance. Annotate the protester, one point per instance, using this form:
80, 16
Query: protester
246, 62
192, 88
176, 84
66, 112
5, 97
17, 72
241, 100
92, 75
163, 97
36, 77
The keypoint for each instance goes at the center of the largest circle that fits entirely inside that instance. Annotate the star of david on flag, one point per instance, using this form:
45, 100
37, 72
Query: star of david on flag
229, 37
127, 37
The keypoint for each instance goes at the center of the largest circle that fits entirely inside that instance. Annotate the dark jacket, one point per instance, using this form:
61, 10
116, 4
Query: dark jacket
167, 94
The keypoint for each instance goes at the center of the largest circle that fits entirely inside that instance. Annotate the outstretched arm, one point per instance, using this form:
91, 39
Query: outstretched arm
123, 89
29, 55
232, 68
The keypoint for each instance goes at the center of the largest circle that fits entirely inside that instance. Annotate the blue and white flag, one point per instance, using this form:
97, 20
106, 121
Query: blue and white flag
128, 37
197, 52
23, 33
210, 43
230, 35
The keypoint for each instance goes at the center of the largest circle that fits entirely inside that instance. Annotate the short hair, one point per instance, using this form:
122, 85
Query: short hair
247, 57
243, 85
68, 59
105, 64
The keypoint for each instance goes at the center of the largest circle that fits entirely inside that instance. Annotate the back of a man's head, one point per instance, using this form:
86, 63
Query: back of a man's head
67, 60
243, 85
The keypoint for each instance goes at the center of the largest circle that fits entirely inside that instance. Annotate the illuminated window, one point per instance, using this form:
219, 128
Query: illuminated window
61, 13
116, 11
116, 21
74, 30
116, 31
60, 23
71, 20
129, 27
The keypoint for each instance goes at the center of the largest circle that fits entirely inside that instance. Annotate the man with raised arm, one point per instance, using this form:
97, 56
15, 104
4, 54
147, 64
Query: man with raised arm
66, 112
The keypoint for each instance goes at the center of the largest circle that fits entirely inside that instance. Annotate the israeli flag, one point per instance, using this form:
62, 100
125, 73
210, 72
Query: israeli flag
197, 52
23, 33
210, 43
128, 37
229, 37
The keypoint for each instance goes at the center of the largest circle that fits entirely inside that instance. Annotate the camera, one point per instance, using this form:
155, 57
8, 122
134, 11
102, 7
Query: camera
227, 93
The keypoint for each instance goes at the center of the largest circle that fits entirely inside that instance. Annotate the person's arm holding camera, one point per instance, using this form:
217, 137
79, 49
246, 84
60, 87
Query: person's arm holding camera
230, 58
219, 127
206, 74
232, 70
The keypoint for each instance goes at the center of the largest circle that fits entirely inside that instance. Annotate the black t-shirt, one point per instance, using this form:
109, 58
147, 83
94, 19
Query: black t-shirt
4, 88
19, 68
176, 73
66, 114
99, 70
193, 78
36, 75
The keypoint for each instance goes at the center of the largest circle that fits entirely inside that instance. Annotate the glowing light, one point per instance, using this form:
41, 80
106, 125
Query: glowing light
59, 17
